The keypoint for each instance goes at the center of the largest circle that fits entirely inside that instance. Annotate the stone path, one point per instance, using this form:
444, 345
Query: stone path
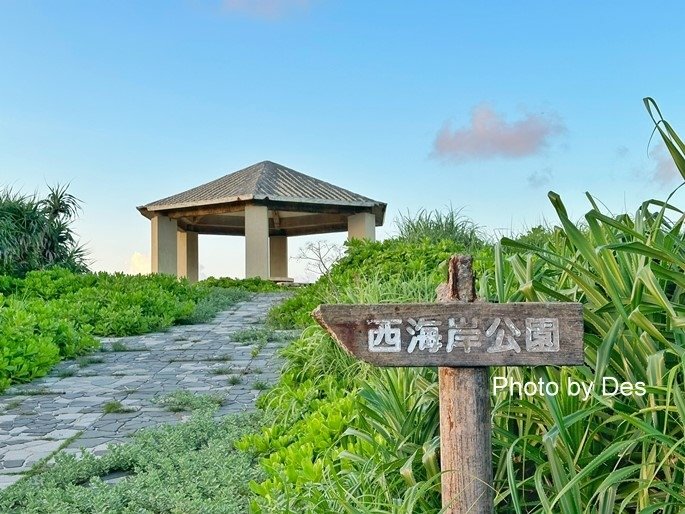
67, 408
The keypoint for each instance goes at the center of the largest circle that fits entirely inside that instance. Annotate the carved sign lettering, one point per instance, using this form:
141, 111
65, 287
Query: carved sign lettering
458, 334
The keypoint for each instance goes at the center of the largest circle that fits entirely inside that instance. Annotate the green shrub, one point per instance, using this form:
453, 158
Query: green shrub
34, 335
253, 285
296, 310
25, 354
54, 314
297, 456
392, 259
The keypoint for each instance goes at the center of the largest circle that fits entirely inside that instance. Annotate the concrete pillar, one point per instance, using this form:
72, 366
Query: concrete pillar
256, 241
187, 255
278, 256
163, 252
361, 226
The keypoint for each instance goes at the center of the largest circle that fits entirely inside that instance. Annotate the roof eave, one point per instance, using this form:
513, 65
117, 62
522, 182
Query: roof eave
379, 212
198, 203
150, 208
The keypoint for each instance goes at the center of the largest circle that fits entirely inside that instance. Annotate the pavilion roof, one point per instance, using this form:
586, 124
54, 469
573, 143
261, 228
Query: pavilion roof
298, 204
265, 180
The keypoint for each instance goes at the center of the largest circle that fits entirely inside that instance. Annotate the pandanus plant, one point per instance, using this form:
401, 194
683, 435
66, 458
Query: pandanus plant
37, 233
674, 144
602, 454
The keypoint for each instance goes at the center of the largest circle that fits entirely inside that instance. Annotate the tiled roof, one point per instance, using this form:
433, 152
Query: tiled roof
264, 181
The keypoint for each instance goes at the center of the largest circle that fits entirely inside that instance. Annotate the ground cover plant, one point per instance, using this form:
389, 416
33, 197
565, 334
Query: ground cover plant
253, 284
181, 400
192, 467
255, 335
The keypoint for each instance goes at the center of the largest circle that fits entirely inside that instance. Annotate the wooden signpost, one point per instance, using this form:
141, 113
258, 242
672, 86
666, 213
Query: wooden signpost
462, 337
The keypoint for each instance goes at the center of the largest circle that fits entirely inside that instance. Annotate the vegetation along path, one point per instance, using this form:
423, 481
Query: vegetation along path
137, 382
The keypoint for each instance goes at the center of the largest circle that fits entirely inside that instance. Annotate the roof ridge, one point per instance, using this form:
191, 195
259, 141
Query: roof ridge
262, 173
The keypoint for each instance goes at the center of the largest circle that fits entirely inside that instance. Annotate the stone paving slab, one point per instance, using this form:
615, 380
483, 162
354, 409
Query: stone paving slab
66, 409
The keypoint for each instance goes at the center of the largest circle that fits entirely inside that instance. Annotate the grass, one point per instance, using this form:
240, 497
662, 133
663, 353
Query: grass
118, 346
66, 373
116, 407
260, 336
234, 380
12, 404
191, 467
40, 391
439, 225
254, 334
88, 360
183, 401
220, 358
260, 385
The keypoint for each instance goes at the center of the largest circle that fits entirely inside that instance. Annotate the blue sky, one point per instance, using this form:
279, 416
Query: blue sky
482, 105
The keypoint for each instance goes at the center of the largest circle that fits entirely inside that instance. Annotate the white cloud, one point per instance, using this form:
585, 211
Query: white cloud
489, 135
138, 263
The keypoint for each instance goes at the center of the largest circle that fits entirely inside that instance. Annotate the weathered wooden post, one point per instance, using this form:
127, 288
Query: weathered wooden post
474, 335
464, 394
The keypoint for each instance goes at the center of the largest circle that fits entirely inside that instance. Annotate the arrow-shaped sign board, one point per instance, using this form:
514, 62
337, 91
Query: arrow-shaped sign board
458, 334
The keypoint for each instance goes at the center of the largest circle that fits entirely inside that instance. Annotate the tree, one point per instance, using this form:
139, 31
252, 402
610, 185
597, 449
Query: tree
36, 233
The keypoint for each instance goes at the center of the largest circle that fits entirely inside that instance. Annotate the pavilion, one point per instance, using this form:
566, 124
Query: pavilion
266, 203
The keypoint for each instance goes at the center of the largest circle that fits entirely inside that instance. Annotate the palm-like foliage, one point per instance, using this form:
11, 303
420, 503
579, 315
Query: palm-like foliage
36, 233
673, 143
435, 226
604, 454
